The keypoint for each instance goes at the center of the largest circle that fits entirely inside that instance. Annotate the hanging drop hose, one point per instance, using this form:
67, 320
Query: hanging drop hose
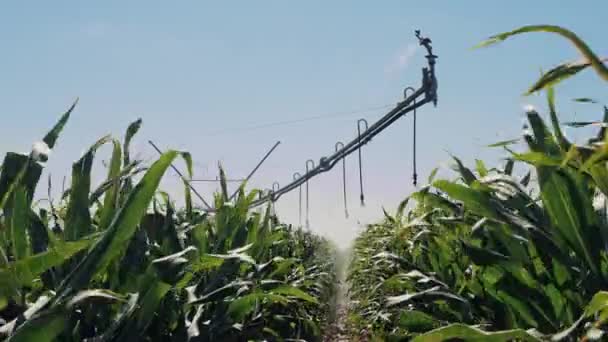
339, 146
308, 162
297, 176
359, 122
414, 175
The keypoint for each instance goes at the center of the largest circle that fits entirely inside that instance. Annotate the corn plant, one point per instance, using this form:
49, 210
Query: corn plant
493, 256
120, 262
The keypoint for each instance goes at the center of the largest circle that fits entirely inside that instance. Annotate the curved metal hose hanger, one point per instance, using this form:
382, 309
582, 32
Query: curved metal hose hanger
297, 176
339, 146
359, 122
308, 168
275, 187
414, 175
271, 203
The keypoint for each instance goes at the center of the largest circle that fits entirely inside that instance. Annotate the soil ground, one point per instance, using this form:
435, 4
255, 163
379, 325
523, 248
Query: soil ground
337, 331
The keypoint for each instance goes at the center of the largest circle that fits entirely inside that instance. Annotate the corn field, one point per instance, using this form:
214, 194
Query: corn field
120, 263
517, 252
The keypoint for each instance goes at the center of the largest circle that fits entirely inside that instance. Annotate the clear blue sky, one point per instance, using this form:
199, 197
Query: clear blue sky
199, 72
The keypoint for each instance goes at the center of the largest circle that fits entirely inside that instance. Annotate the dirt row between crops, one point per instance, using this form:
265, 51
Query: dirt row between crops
339, 331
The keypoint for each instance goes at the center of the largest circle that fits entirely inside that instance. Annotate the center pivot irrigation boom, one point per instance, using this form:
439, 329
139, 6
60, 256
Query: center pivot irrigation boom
419, 97
427, 92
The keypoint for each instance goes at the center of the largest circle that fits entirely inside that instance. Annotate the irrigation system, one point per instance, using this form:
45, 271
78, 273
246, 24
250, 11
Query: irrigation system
426, 93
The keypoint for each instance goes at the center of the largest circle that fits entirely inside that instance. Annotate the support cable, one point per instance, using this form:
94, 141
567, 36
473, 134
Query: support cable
256, 168
186, 181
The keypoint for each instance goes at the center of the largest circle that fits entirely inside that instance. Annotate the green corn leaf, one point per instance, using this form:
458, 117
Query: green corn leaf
521, 274
170, 269
51, 137
557, 300
598, 303
111, 195
97, 295
434, 291
571, 155
126, 174
465, 332
590, 57
223, 185
26, 270
579, 124
120, 321
600, 176
508, 170
519, 306
283, 267
484, 257
544, 140
558, 74
131, 131
294, 292
78, 222
42, 328
505, 143
417, 321
38, 233
187, 191
467, 175
47, 323
584, 100
19, 225
115, 237
18, 169
538, 159
245, 305
481, 168
7, 191
149, 304
561, 139
476, 201
432, 175
595, 159
3, 258
218, 293
601, 135
568, 206
153, 291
